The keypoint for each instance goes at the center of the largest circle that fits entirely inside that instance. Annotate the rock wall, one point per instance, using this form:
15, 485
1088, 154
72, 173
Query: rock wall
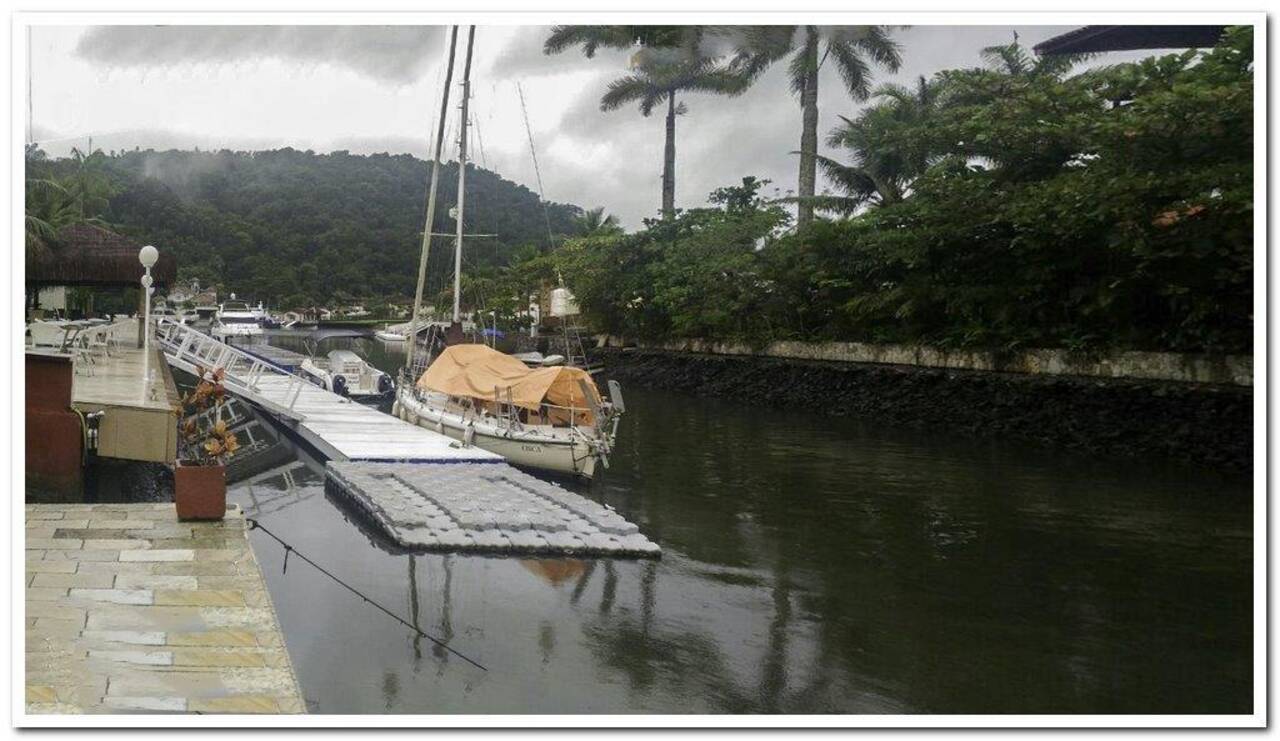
1209, 424
1189, 368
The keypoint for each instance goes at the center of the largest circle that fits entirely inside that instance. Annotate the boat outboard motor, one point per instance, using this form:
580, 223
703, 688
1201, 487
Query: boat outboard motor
340, 385
385, 384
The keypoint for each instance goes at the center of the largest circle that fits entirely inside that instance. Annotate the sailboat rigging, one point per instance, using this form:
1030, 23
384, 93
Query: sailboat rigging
551, 418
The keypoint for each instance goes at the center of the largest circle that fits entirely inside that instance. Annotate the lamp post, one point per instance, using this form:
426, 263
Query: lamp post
147, 256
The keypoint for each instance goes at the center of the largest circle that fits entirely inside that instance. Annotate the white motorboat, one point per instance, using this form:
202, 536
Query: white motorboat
236, 319
393, 333
550, 418
345, 373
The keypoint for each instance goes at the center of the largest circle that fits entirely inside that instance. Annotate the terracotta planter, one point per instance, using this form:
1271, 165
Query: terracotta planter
200, 492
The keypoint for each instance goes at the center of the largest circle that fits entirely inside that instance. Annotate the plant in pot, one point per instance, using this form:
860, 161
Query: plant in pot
200, 478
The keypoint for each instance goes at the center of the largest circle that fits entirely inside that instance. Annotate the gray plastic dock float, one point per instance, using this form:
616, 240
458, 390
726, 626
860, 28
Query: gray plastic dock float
483, 507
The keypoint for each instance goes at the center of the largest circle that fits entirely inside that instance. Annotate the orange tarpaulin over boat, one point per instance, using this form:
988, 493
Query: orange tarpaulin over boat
475, 371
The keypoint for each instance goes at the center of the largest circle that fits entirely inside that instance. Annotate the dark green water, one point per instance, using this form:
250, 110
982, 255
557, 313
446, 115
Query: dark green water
811, 565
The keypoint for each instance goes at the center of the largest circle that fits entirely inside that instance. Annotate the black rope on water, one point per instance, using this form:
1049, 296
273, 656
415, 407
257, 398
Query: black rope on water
255, 525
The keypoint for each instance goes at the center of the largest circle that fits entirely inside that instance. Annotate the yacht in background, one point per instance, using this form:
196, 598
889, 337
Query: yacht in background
236, 320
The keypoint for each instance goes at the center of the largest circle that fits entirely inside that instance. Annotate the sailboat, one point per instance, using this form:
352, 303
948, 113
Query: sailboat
550, 418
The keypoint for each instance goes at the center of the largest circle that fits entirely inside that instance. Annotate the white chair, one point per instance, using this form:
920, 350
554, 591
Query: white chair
48, 334
96, 341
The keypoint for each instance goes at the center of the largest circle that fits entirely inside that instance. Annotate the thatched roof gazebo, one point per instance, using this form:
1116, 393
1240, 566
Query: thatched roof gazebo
86, 255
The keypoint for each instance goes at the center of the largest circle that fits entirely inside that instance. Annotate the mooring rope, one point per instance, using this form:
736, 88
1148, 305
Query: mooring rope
288, 549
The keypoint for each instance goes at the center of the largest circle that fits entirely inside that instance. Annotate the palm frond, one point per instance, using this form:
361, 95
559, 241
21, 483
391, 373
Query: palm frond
759, 47
883, 50
842, 205
853, 69
624, 90
1008, 58
590, 38
803, 61
856, 182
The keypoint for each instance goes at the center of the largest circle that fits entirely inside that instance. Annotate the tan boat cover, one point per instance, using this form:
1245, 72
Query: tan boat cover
475, 371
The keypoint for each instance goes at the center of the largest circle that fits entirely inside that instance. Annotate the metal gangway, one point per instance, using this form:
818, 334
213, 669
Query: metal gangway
336, 426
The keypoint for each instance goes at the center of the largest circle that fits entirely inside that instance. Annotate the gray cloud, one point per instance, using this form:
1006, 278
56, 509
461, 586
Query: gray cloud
393, 54
588, 157
523, 57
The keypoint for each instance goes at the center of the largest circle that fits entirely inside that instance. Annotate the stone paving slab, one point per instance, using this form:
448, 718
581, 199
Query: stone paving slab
130, 611
489, 507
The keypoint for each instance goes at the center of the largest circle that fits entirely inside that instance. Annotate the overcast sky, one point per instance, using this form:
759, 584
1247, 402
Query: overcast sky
376, 88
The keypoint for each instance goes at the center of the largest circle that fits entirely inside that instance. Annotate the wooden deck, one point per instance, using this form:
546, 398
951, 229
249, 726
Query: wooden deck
336, 426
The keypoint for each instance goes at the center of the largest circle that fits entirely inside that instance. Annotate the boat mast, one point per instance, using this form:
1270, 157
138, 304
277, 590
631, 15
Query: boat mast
431, 205
462, 180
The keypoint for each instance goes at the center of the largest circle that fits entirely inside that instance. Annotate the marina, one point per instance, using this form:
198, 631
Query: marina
341, 429
442, 493
949, 413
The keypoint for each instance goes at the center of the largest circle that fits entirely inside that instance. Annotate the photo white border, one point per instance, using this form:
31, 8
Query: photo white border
239, 12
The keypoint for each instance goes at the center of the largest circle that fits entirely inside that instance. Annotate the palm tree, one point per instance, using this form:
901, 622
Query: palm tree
660, 79
53, 203
1014, 60
592, 38
669, 61
887, 156
596, 223
49, 207
88, 185
851, 48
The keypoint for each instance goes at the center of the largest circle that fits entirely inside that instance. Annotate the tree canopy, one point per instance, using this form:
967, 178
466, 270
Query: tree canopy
293, 227
1109, 209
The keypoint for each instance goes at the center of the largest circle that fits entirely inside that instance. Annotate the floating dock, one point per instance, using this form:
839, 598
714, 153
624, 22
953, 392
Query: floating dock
129, 610
424, 489
483, 507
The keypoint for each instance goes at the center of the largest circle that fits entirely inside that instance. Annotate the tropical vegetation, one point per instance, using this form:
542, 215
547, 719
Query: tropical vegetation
1008, 206
1028, 202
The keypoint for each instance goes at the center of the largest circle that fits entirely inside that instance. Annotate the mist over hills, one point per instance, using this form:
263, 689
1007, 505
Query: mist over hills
288, 226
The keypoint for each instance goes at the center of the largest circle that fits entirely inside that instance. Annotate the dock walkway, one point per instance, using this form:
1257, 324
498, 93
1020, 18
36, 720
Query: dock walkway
391, 469
341, 429
129, 610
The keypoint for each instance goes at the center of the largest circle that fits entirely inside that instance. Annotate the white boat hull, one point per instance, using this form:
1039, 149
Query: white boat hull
386, 336
572, 456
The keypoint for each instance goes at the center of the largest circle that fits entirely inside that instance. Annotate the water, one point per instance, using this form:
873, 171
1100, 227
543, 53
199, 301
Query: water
810, 565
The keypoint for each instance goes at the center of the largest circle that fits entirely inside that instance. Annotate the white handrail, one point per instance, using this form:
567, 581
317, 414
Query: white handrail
189, 349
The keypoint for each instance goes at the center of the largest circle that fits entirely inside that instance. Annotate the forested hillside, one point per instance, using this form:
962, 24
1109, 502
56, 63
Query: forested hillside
292, 227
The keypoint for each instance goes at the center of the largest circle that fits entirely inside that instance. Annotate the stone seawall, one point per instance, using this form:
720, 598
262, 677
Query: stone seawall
1210, 424
1235, 370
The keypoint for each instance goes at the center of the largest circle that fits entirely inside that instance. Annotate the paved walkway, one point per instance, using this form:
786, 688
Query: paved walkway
129, 610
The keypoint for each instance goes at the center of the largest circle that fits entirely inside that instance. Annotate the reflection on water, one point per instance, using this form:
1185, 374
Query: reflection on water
809, 565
